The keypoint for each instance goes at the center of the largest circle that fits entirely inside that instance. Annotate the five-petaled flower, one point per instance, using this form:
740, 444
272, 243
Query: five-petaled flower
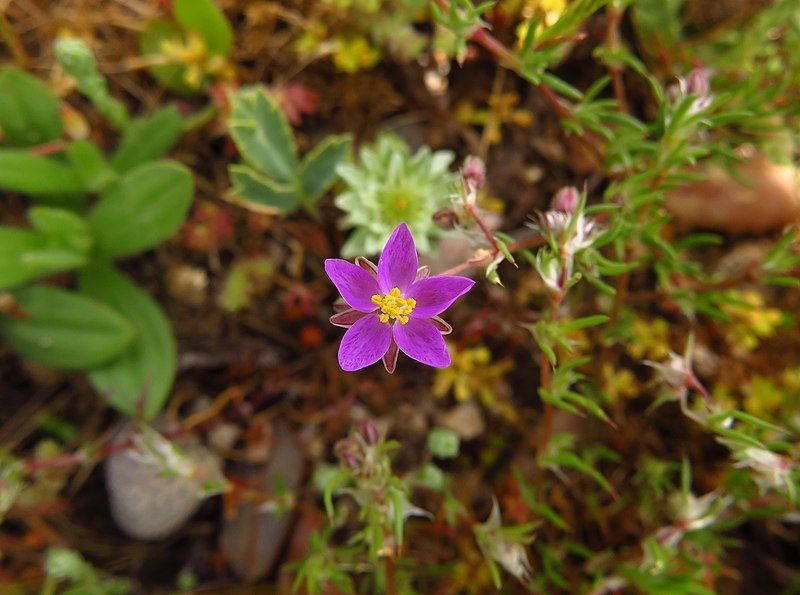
393, 306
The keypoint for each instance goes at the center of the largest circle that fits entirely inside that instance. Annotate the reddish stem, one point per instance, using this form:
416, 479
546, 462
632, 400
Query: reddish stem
82, 456
529, 242
56, 146
613, 17
484, 228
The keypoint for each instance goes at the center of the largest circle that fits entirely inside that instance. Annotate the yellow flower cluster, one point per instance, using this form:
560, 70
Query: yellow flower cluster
751, 320
199, 61
393, 306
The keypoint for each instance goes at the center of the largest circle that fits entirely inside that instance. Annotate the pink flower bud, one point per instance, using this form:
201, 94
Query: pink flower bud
698, 82
369, 431
473, 172
566, 200
347, 451
446, 218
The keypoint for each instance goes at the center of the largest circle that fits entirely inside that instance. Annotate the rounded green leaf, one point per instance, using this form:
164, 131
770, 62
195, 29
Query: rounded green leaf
142, 209
63, 228
29, 111
90, 165
27, 255
24, 172
65, 330
259, 193
144, 373
209, 22
318, 171
261, 132
148, 138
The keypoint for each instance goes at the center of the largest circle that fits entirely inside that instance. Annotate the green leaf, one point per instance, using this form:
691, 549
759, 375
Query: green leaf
331, 487
151, 41
29, 111
318, 170
64, 227
144, 373
65, 330
27, 255
585, 322
506, 252
258, 192
61, 242
246, 276
145, 207
91, 165
148, 138
24, 172
561, 86
209, 22
658, 22
573, 461
261, 132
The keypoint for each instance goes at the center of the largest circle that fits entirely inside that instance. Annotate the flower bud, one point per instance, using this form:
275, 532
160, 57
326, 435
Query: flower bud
473, 172
346, 450
567, 200
76, 57
698, 82
445, 218
369, 431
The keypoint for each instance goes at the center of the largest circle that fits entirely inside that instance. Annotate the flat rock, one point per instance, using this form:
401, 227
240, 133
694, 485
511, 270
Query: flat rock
721, 202
252, 536
147, 505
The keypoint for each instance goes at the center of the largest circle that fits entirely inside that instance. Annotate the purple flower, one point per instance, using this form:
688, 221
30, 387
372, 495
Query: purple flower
393, 306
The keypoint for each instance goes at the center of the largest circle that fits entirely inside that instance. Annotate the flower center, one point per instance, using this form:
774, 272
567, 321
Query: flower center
393, 306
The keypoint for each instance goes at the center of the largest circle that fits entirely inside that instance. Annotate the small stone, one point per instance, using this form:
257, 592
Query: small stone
187, 284
145, 503
252, 536
743, 257
223, 436
721, 202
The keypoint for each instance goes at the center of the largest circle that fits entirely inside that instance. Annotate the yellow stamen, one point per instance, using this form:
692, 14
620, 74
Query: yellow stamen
393, 306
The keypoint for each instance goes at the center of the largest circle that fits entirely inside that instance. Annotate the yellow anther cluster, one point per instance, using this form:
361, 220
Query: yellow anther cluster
393, 306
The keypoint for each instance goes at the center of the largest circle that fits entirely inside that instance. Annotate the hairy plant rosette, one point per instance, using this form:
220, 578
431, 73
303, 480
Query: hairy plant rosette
393, 307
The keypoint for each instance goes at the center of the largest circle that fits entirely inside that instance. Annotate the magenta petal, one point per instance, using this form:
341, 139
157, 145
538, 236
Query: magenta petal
355, 284
435, 294
422, 341
347, 318
398, 264
364, 343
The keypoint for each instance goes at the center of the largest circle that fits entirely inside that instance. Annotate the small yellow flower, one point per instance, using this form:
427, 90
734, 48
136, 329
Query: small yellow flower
762, 397
790, 378
546, 12
354, 53
751, 320
619, 383
199, 62
473, 375
650, 339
